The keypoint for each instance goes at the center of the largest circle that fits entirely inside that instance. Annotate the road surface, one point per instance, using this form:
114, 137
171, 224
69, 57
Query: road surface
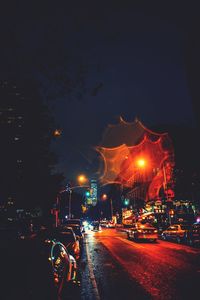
115, 268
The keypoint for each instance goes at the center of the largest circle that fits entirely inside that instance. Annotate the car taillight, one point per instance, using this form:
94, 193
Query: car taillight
56, 279
75, 248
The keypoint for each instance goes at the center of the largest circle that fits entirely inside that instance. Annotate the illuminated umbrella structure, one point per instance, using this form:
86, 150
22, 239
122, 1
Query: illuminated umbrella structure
148, 161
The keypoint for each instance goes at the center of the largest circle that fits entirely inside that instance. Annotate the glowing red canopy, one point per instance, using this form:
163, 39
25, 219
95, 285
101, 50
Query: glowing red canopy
149, 160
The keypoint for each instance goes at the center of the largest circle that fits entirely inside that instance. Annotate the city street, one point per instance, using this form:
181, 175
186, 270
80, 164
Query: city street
115, 268
99, 157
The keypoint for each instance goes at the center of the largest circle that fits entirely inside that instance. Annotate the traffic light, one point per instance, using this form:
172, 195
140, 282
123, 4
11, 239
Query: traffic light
126, 201
87, 193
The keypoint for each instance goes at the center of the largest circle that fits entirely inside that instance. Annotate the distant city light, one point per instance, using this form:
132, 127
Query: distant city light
57, 132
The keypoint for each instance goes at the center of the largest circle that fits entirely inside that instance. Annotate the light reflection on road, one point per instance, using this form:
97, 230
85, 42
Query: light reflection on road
159, 267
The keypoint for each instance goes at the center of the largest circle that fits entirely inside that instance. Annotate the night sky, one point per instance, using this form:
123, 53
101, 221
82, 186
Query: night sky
96, 62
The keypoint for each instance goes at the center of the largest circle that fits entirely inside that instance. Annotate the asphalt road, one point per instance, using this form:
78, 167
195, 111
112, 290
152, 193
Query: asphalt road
112, 267
116, 268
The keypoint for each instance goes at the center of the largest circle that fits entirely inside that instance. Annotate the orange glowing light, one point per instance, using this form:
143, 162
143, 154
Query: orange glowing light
104, 196
57, 132
82, 179
141, 163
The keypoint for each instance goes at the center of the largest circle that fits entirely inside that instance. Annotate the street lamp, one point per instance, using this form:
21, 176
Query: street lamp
57, 133
141, 163
105, 197
82, 179
70, 200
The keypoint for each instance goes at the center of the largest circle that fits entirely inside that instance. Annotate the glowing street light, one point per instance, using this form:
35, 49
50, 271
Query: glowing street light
82, 179
141, 163
104, 197
57, 132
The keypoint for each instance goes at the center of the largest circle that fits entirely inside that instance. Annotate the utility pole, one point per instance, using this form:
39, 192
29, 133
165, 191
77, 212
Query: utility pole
165, 182
56, 211
111, 208
70, 199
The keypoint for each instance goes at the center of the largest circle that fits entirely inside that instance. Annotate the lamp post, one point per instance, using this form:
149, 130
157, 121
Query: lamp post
70, 199
140, 167
82, 179
105, 197
111, 208
165, 182
56, 211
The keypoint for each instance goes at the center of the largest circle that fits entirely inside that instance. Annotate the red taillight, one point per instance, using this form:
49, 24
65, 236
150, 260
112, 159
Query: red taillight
56, 280
75, 248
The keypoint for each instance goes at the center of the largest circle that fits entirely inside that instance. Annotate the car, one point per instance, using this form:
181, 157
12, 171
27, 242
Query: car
78, 232
104, 223
67, 236
64, 265
41, 269
176, 232
111, 224
141, 231
193, 234
75, 222
96, 226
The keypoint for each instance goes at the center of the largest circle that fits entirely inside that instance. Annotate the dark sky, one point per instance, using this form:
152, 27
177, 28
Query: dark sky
97, 61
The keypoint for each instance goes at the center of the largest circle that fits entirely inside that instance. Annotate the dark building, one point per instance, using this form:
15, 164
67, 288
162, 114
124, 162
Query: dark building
26, 161
12, 122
